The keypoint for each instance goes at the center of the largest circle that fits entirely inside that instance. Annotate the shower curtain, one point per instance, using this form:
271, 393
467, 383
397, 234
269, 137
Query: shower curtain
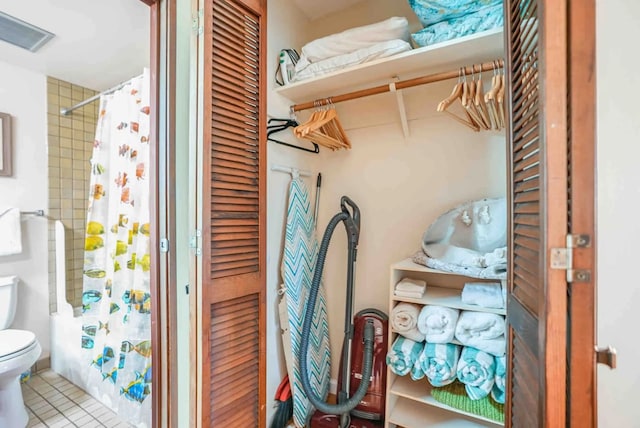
116, 302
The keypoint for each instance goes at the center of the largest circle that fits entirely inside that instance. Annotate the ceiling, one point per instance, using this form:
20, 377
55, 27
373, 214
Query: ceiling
314, 9
98, 43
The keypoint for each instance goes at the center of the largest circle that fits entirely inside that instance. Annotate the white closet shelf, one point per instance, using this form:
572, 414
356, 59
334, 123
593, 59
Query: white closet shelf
449, 297
418, 393
463, 51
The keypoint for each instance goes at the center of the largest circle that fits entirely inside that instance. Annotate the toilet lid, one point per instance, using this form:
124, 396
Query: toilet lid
12, 341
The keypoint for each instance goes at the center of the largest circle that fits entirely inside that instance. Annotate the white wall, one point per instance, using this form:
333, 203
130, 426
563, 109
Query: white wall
23, 95
618, 91
286, 28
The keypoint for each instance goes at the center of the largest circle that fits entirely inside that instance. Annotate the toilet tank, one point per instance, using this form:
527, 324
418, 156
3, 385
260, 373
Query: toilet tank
8, 300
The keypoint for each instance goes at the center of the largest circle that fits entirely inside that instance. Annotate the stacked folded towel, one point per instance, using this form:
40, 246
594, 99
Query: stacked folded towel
498, 390
354, 46
11, 242
484, 294
403, 355
477, 370
408, 287
481, 330
438, 323
404, 320
439, 362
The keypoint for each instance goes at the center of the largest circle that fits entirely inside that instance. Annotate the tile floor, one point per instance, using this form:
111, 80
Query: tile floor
52, 401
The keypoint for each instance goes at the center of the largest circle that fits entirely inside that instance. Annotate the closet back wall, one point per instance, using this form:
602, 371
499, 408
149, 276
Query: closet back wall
401, 186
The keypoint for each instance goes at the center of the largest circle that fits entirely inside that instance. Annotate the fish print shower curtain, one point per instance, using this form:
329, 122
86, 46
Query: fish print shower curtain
116, 301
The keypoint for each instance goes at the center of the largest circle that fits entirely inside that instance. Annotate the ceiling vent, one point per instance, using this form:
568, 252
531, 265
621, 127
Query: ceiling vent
22, 34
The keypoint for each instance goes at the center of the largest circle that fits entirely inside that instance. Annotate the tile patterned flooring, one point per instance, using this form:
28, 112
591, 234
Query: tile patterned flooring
52, 401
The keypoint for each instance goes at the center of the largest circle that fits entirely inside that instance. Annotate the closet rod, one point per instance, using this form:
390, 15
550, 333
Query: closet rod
423, 80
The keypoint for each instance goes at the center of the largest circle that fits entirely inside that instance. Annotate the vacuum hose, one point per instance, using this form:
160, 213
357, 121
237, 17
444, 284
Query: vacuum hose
352, 225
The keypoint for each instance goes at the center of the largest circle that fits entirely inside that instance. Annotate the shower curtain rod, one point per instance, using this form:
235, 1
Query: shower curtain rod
66, 111
392, 87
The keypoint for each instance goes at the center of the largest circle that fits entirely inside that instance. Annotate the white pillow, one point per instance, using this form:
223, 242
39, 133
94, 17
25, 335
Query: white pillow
356, 38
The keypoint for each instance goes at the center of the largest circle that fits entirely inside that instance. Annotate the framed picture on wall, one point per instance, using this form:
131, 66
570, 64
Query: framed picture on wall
5, 144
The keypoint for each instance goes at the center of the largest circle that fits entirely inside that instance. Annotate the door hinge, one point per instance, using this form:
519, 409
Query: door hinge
194, 242
562, 258
197, 22
164, 245
607, 356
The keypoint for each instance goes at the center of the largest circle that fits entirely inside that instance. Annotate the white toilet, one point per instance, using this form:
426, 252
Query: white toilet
19, 350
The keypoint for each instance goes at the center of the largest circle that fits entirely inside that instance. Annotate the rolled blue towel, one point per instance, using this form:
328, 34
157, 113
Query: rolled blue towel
477, 370
403, 354
439, 362
498, 390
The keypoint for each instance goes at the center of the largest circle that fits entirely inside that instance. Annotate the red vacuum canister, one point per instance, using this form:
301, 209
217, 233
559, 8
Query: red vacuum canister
369, 413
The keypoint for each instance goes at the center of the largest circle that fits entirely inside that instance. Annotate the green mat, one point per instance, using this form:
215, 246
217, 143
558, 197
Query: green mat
455, 396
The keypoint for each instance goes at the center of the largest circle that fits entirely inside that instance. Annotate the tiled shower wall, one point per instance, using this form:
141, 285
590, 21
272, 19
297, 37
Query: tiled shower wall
70, 142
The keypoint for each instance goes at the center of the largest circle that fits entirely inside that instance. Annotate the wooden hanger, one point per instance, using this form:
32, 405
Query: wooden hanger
323, 127
468, 96
456, 94
479, 103
490, 100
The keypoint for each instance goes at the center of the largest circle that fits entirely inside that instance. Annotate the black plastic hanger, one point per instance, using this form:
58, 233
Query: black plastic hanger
281, 125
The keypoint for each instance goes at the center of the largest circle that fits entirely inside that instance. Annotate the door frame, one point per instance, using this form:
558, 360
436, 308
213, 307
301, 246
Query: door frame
162, 200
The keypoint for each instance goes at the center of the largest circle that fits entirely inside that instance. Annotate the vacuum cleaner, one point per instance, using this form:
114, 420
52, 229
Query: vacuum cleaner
362, 373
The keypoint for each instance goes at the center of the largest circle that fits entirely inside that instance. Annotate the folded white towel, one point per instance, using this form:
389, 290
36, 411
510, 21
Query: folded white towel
410, 294
485, 294
483, 331
404, 320
410, 284
306, 70
438, 323
10, 234
356, 38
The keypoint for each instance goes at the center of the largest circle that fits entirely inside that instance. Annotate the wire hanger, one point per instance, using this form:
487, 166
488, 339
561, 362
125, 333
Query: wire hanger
275, 125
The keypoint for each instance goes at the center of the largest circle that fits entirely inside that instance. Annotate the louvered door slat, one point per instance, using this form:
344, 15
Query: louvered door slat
232, 168
525, 263
220, 170
236, 96
527, 174
242, 132
231, 182
233, 250
234, 177
241, 105
225, 83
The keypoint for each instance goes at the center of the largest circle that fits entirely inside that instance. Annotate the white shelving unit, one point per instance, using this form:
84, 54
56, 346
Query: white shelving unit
410, 403
463, 51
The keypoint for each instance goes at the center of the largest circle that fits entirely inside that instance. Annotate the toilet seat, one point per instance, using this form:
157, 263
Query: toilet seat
14, 343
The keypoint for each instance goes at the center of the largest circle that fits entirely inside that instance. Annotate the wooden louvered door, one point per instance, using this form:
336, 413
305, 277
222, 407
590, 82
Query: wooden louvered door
232, 319
551, 321
536, 35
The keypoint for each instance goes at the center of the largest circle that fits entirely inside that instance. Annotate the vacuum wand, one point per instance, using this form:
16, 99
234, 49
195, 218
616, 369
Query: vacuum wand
315, 212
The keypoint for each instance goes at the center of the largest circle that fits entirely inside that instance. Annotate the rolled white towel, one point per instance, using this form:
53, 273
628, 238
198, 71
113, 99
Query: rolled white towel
404, 320
412, 285
485, 294
438, 323
483, 331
